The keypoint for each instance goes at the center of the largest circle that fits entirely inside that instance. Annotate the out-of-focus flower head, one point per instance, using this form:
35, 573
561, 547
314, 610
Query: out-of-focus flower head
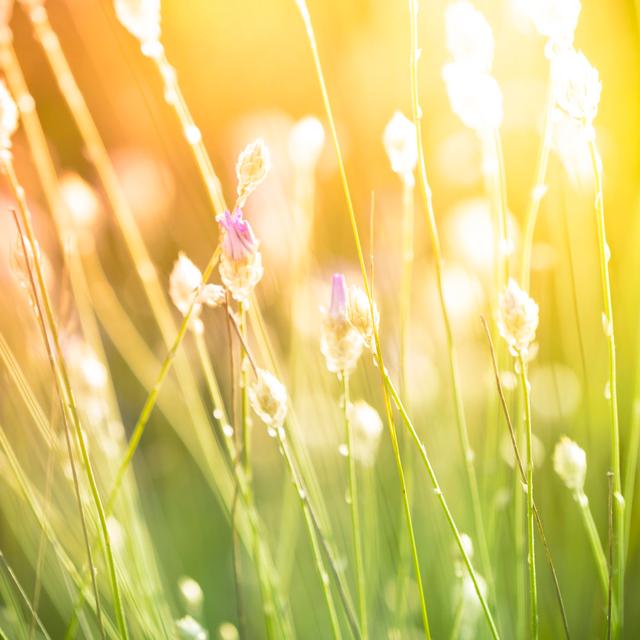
359, 311
340, 342
241, 262
81, 200
555, 19
8, 117
185, 289
571, 145
401, 145
367, 428
475, 97
268, 398
141, 18
253, 165
190, 629
469, 36
192, 595
306, 141
576, 87
518, 318
570, 463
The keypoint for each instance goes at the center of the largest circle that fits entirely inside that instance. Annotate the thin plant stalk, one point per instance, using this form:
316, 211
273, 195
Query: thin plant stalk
607, 318
408, 215
594, 540
66, 391
443, 503
523, 475
306, 18
437, 252
531, 556
354, 504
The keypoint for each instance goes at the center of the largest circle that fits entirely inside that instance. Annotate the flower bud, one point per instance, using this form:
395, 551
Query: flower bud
469, 36
360, 315
518, 318
141, 18
340, 342
570, 463
185, 289
241, 262
252, 168
268, 398
401, 145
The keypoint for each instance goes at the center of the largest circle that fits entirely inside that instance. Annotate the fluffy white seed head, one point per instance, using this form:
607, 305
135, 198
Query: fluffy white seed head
141, 18
469, 36
576, 86
253, 165
306, 141
518, 318
268, 397
401, 145
367, 428
191, 594
185, 288
570, 463
8, 117
555, 19
475, 97
190, 629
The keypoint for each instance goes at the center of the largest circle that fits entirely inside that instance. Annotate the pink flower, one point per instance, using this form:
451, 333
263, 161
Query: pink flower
339, 309
239, 242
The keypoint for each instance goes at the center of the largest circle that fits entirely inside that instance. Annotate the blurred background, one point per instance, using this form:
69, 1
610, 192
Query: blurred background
246, 71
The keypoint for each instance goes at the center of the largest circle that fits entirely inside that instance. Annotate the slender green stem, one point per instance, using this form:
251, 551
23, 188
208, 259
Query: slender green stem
531, 556
443, 503
461, 423
603, 248
150, 402
66, 390
408, 215
355, 512
306, 18
594, 539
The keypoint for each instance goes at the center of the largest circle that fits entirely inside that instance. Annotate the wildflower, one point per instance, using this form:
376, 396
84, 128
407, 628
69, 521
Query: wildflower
8, 117
475, 97
570, 463
576, 87
268, 397
401, 145
141, 18
190, 629
252, 168
192, 595
360, 317
340, 342
469, 36
306, 140
367, 428
185, 289
241, 262
555, 19
518, 318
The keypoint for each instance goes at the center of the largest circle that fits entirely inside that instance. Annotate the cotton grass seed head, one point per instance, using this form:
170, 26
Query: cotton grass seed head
141, 18
401, 145
241, 262
570, 463
518, 318
306, 141
576, 86
252, 168
340, 342
8, 117
555, 19
268, 398
475, 97
469, 36
185, 289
